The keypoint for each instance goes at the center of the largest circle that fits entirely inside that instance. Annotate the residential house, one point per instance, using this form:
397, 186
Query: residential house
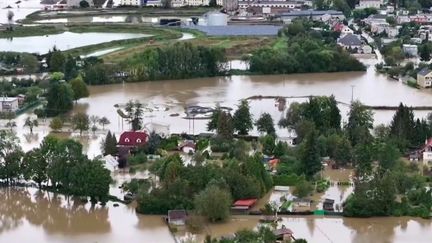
160, 129
379, 27
289, 137
131, 2
416, 40
369, 4
427, 152
177, 217
133, 139
424, 78
21, 99
410, 50
9, 104
350, 42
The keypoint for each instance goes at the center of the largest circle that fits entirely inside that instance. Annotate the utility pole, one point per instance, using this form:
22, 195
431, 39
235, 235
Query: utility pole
352, 93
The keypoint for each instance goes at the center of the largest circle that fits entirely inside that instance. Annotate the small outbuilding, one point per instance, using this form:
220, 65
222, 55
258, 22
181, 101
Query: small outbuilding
244, 204
177, 217
284, 234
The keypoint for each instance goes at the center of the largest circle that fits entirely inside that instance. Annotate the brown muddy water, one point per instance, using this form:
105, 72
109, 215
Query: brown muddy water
29, 216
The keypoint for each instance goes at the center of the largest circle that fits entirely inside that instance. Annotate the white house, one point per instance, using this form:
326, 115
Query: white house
366, 49
391, 31
288, 137
369, 4
424, 79
8, 104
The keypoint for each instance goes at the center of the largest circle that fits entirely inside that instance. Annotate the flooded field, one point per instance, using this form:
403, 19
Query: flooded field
63, 41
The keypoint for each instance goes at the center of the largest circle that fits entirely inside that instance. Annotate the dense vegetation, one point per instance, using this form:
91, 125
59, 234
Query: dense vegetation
304, 51
57, 165
178, 61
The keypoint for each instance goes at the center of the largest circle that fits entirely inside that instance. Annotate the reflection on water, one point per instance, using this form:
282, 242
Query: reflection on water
29, 215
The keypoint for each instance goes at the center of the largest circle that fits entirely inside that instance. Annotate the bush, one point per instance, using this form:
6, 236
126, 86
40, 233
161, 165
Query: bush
136, 159
286, 180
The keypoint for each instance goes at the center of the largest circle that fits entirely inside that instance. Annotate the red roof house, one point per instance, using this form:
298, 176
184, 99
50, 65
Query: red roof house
244, 204
133, 139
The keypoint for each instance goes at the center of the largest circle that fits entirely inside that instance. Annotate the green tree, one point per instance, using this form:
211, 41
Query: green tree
310, 158
79, 88
402, 127
225, 127
80, 121
242, 120
71, 69
135, 112
213, 203
60, 99
268, 144
56, 124
57, 62
343, 152
214, 120
360, 120
265, 124
109, 144
36, 166
30, 123
302, 189
212, 3
30, 63
10, 156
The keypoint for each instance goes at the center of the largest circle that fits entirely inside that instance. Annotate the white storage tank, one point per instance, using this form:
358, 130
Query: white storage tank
217, 19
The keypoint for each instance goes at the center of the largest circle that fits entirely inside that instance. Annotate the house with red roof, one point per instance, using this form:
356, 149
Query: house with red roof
244, 204
133, 139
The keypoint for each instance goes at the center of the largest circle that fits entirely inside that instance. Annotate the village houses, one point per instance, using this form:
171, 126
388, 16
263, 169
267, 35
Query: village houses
9, 104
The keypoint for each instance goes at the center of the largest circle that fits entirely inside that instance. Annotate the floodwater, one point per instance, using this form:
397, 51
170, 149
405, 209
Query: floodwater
28, 215
63, 41
20, 10
25, 217
111, 19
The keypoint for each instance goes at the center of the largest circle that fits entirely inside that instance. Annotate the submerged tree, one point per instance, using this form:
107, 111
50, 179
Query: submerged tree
265, 124
30, 123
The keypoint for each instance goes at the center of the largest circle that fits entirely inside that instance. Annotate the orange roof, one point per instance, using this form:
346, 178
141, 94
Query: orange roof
245, 202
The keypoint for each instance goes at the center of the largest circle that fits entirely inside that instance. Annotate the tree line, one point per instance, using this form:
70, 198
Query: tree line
58, 165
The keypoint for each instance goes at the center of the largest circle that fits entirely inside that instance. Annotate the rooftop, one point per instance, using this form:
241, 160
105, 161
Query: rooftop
8, 99
132, 138
350, 40
424, 71
245, 202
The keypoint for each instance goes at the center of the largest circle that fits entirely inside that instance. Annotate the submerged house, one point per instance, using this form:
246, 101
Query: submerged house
177, 217
328, 204
244, 204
